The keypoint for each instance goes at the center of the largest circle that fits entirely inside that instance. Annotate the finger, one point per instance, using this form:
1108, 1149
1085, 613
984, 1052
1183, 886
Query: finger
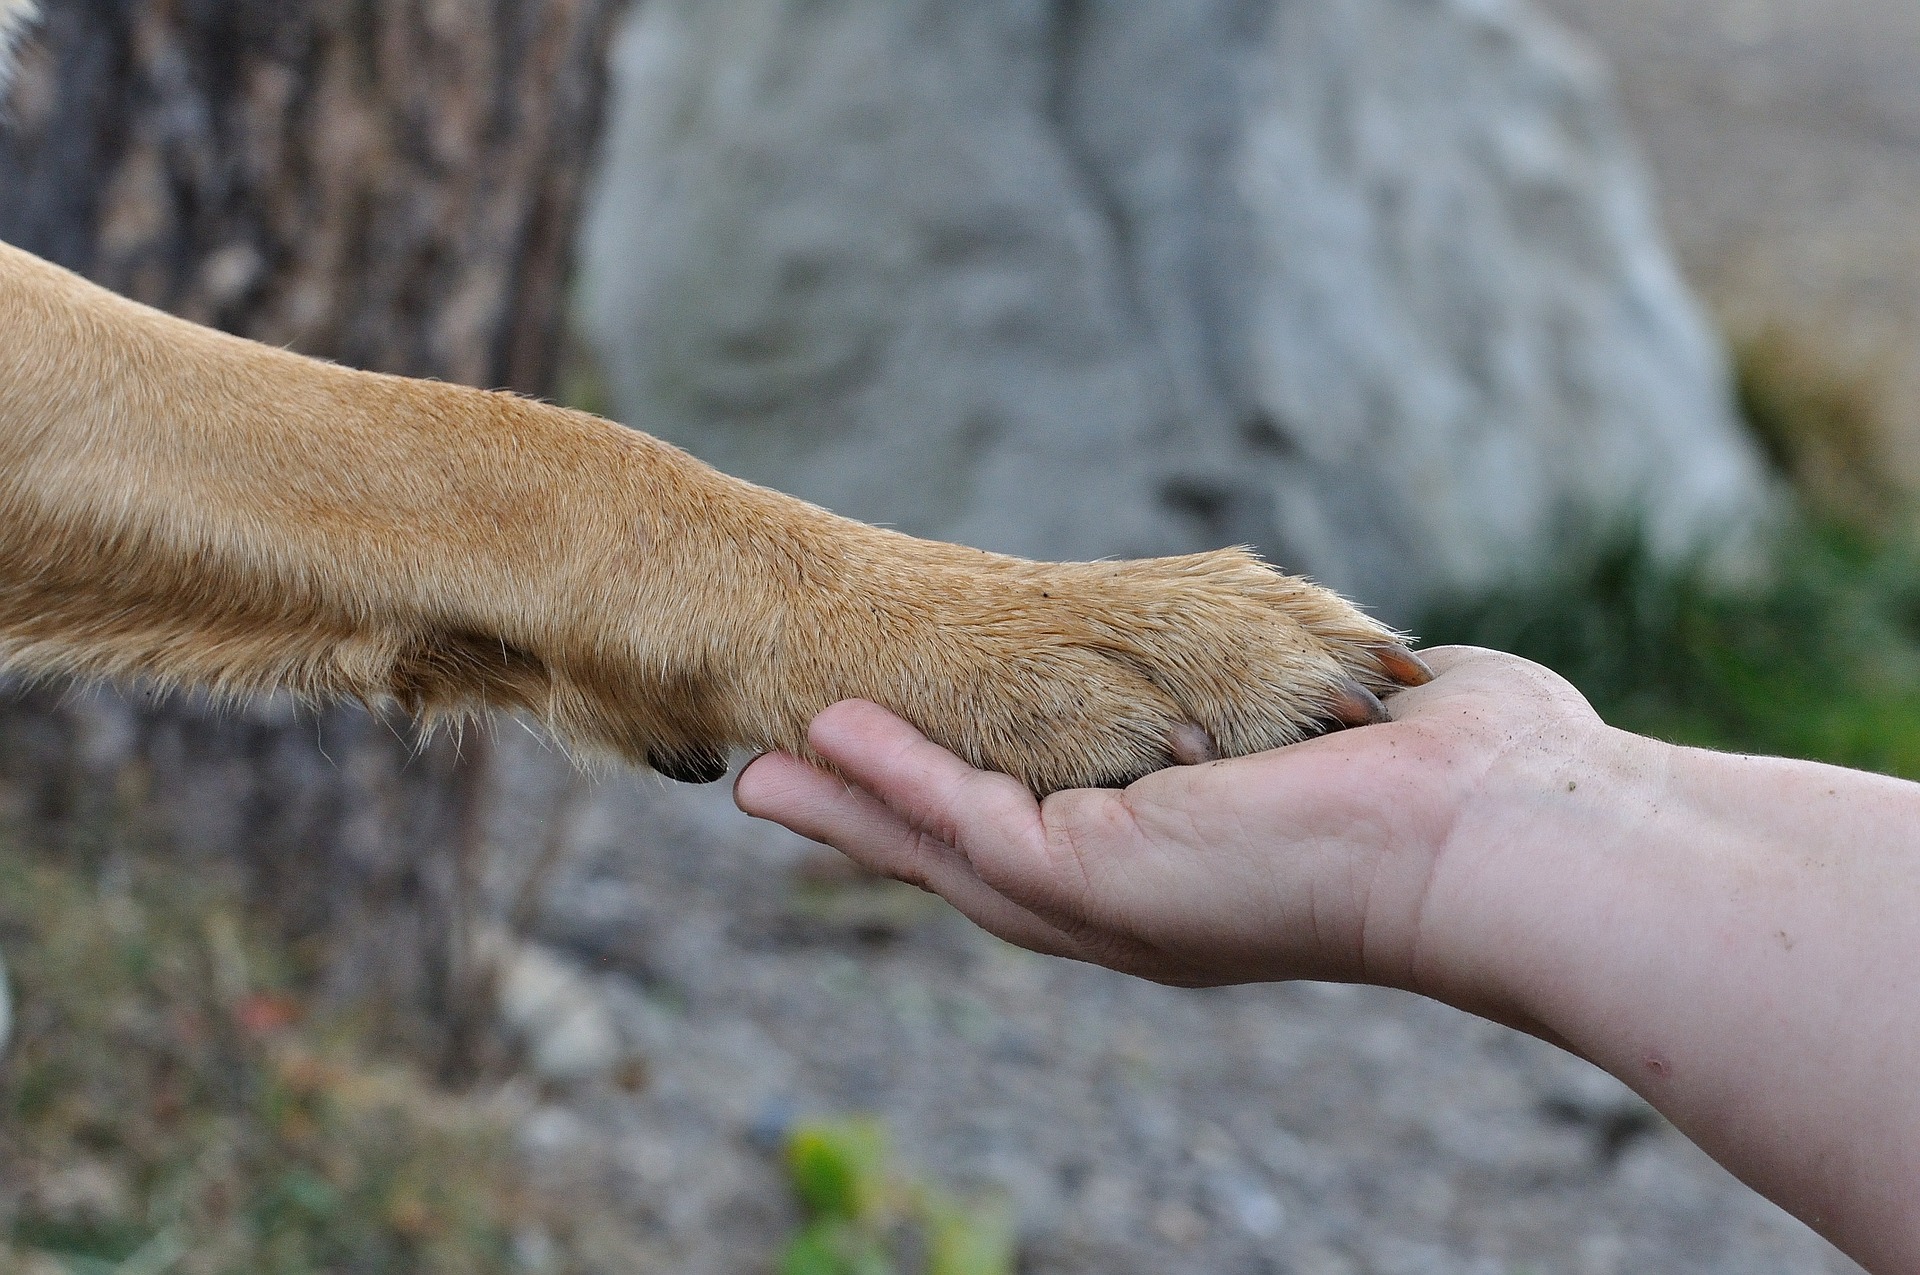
927, 786
824, 807
990, 819
1471, 671
788, 791
1443, 660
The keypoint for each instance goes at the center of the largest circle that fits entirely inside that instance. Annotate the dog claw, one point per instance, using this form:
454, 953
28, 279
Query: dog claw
1191, 745
1402, 665
1355, 705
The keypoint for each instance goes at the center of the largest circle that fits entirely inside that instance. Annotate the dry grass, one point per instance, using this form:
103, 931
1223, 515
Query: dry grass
1825, 424
166, 1106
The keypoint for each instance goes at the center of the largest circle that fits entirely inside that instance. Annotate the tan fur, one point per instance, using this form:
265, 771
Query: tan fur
184, 506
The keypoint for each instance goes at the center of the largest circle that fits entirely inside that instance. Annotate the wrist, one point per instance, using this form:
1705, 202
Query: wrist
1538, 869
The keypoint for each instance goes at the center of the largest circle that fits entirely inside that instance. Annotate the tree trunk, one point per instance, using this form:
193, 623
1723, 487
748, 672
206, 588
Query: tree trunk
391, 185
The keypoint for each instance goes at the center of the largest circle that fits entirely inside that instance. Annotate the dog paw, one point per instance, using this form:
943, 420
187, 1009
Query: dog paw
1095, 674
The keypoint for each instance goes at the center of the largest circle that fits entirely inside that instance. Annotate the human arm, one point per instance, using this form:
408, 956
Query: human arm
1732, 936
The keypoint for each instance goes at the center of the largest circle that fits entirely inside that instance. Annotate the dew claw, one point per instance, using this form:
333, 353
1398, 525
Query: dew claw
1190, 745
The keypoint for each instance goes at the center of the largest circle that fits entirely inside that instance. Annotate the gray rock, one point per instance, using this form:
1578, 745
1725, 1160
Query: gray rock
552, 1007
14, 17
1373, 284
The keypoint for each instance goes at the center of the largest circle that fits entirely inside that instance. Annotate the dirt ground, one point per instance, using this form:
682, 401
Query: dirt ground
1785, 139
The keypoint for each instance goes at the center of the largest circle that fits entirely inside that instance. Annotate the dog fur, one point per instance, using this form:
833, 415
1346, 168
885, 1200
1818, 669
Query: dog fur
186, 507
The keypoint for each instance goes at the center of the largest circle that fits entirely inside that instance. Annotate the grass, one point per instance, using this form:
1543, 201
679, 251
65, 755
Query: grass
165, 1106
1821, 659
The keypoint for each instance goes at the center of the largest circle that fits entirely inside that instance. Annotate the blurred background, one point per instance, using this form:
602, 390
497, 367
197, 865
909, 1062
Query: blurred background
1582, 330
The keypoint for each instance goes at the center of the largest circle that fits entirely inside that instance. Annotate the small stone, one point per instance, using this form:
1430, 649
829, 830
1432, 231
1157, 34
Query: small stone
1179, 1224
551, 1006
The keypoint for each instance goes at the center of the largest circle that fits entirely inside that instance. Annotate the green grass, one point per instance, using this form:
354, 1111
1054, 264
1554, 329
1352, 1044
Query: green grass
1821, 660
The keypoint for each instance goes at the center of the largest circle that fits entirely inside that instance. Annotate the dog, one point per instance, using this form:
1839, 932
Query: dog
189, 508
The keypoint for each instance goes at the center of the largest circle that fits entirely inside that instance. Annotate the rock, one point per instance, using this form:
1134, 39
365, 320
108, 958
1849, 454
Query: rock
553, 1009
14, 17
1375, 285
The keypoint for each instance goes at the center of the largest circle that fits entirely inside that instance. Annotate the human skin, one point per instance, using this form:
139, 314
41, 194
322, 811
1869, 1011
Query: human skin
1737, 938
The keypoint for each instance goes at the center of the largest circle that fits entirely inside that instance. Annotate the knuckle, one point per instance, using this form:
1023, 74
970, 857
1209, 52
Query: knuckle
915, 866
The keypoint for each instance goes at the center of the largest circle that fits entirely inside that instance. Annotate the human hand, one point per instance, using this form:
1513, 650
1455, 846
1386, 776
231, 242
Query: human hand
1730, 935
1320, 860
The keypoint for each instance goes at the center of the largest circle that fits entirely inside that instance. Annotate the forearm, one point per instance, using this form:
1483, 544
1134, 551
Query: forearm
1734, 937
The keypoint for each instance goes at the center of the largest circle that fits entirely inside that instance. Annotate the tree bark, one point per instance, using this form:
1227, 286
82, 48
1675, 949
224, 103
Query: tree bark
392, 185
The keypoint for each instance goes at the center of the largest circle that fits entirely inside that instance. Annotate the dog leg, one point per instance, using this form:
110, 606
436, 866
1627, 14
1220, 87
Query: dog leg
187, 507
